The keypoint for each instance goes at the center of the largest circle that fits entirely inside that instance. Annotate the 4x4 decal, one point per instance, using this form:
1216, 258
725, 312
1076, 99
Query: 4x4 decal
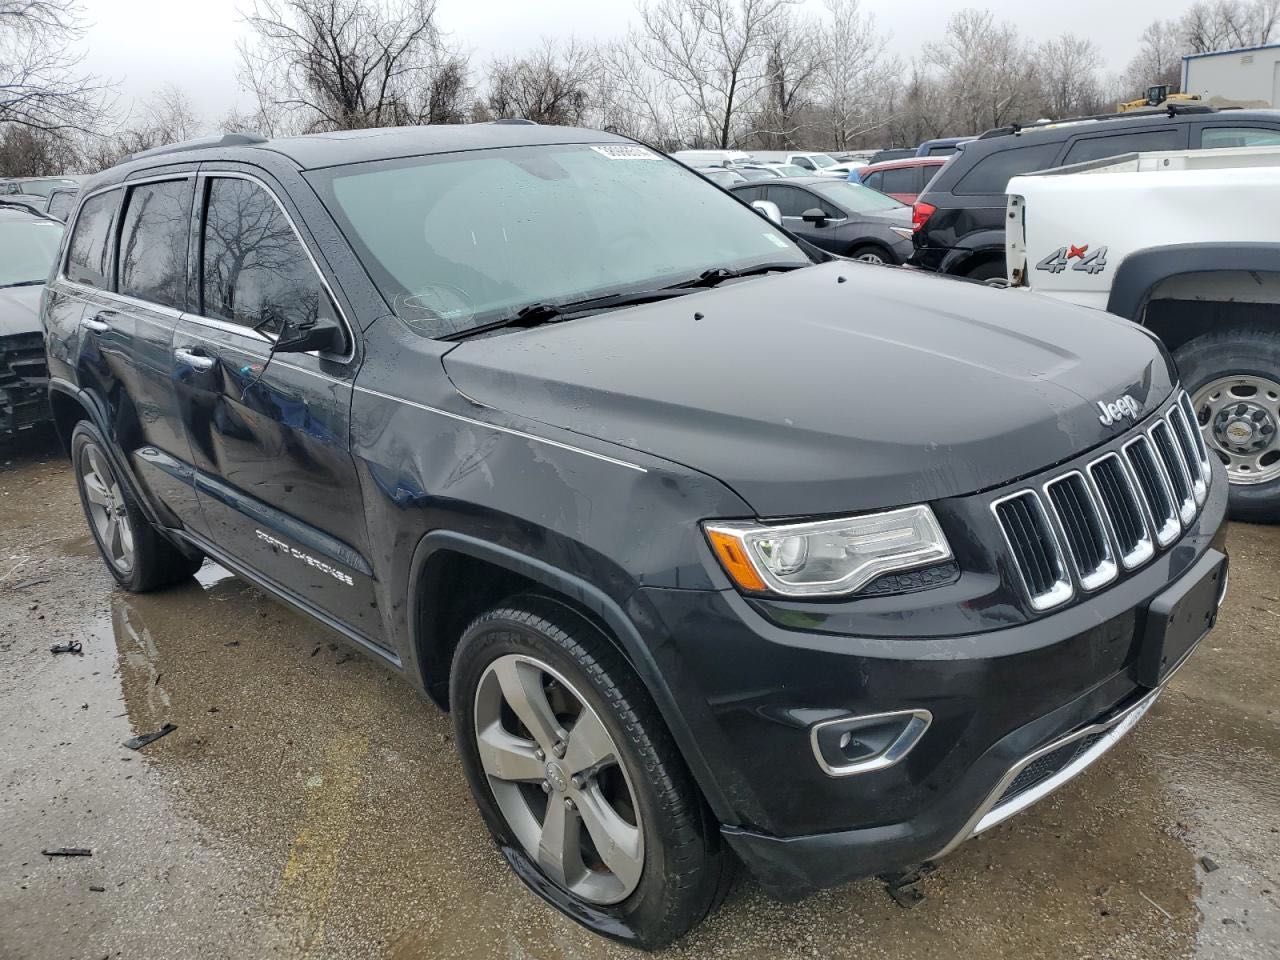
1061, 258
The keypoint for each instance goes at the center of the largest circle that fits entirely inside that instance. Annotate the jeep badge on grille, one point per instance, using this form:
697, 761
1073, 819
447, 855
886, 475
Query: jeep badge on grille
1112, 412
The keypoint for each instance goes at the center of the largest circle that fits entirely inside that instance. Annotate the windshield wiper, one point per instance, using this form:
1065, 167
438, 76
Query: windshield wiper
717, 275
536, 314
23, 283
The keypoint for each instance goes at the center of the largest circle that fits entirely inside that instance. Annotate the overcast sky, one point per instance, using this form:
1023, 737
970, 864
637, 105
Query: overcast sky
146, 43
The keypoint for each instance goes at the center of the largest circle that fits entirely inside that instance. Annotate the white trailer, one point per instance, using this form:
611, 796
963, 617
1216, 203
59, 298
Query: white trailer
1186, 243
1248, 77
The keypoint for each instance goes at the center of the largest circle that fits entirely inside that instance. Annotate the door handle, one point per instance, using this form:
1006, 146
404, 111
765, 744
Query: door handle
96, 323
196, 361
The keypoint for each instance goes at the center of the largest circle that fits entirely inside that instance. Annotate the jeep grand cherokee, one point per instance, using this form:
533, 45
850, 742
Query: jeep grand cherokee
719, 549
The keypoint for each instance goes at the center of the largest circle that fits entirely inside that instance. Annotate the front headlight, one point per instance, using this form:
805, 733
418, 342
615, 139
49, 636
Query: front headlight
827, 557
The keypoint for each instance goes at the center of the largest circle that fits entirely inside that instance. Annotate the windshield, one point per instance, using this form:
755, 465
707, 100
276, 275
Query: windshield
857, 198
455, 241
821, 160
791, 170
27, 250
42, 188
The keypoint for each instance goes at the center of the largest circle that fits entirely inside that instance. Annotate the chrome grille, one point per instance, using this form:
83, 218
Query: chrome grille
1081, 527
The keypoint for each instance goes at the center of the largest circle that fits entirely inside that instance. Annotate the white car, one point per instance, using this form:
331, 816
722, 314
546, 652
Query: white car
1186, 243
813, 163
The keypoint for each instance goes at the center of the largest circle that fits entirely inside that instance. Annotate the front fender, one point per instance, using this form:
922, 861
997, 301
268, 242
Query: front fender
1140, 272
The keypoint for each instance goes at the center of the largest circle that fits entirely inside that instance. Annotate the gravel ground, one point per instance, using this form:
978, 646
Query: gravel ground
310, 805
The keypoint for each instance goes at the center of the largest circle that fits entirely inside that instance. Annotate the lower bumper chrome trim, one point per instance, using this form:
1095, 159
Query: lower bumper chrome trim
1107, 732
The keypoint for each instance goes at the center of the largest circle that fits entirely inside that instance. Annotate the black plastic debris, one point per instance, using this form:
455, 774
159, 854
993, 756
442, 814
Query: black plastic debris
71, 646
68, 852
904, 888
96, 889
140, 741
1209, 864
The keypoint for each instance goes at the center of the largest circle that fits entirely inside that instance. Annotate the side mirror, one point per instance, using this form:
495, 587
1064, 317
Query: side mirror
815, 216
322, 333
769, 210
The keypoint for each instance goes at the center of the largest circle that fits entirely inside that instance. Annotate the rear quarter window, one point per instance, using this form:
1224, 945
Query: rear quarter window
1099, 148
1216, 137
992, 173
89, 251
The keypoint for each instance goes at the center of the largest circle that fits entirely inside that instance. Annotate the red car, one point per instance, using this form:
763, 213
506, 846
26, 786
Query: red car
901, 179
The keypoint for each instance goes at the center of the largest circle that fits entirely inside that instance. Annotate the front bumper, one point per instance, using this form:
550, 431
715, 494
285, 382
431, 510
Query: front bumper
997, 698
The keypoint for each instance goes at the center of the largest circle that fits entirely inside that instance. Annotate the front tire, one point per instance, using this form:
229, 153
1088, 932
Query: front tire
577, 777
137, 555
1233, 377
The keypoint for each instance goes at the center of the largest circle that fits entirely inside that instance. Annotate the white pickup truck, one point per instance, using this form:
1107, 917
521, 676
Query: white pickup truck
1186, 243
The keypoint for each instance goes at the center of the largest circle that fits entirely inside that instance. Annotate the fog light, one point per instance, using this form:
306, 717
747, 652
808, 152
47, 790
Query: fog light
850, 745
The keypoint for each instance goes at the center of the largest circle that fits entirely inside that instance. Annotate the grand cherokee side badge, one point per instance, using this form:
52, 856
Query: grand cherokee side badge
1125, 406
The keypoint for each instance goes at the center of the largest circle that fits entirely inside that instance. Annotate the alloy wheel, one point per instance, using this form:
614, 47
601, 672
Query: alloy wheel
558, 779
1240, 416
106, 508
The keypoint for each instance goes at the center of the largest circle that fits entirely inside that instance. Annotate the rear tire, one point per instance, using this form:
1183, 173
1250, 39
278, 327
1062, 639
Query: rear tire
1234, 374
986, 272
137, 555
671, 869
870, 253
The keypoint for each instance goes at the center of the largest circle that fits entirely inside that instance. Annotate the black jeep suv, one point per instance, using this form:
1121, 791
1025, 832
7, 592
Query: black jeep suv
628, 479
959, 219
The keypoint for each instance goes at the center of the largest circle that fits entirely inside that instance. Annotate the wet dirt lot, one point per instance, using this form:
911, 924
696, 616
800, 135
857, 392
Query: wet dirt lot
310, 805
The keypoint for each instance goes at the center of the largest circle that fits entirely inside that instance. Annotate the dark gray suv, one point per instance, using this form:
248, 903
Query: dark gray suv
626, 477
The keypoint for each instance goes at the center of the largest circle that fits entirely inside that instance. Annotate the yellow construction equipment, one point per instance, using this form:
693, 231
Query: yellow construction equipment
1157, 96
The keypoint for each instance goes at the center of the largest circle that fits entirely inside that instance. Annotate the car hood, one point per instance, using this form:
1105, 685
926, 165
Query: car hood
835, 388
20, 309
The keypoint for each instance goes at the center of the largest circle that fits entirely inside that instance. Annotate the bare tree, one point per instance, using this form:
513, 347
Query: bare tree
854, 75
793, 57
988, 67
340, 64
713, 55
42, 85
1226, 24
167, 116
32, 152
1158, 60
1068, 67
553, 84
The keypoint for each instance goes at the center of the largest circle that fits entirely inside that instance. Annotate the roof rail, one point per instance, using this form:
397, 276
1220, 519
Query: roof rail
515, 121
201, 143
1165, 109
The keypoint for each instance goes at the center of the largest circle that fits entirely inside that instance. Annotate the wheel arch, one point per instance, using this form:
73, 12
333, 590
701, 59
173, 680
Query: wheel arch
979, 248
1144, 272
436, 625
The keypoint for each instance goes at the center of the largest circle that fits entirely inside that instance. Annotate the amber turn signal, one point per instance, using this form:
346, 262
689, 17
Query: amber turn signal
733, 557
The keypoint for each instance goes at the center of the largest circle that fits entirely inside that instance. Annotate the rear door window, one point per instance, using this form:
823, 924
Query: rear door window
89, 252
1099, 148
1214, 137
153, 243
901, 180
254, 270
992, 173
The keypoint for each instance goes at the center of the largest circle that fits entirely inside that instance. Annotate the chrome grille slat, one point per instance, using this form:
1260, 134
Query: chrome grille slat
1157, 494
1083, 526
1175, 470
1083, 529
1037, 555
1182, 432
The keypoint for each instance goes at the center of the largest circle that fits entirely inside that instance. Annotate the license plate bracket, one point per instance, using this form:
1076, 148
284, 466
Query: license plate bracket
1179, 618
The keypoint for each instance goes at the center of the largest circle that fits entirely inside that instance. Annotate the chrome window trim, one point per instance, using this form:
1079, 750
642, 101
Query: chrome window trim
1062, 589
1145, 548
903, 744
500, 429
208, 174
1170, 526
133, 303
1108, 570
